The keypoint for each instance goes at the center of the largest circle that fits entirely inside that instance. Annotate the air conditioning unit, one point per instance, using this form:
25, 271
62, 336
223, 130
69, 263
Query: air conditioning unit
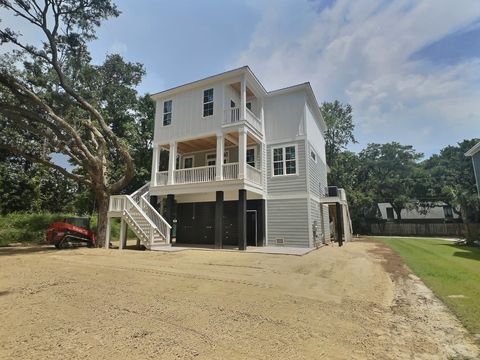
332, 191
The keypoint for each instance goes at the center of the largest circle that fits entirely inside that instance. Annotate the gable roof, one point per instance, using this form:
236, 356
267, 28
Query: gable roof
473, 150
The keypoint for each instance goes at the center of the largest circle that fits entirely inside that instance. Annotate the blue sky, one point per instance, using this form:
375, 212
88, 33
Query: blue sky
409, 68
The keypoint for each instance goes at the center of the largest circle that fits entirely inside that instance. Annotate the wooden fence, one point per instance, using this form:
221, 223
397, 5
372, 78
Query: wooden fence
415, 229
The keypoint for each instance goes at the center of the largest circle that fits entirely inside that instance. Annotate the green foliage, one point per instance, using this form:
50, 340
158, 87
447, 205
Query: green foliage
339, 121
451, 271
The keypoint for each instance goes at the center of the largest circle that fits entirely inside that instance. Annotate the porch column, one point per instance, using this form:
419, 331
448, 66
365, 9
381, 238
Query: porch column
339, 223
123, 234
172, 157
107, 235
242, 153
170, 208
219, 220
242, 219
243, 97
155, 164
154, 201
219, 160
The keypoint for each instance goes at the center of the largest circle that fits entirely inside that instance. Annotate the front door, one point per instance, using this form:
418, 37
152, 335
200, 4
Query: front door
251, 227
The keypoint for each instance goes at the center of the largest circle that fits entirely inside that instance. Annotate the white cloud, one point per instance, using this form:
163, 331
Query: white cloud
360, 51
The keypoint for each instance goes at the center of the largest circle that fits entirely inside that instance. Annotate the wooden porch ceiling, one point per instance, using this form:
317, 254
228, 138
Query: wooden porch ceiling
236, 87
209, 143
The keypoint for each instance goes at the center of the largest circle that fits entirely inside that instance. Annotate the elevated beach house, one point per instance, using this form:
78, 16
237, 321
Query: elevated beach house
233, 164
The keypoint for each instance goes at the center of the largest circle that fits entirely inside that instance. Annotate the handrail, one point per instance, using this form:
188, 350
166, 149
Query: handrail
138, 226
163, 223
137, 207
136, 195
195, 175
254, 174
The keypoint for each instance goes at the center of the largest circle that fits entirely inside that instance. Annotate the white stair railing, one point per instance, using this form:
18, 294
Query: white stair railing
161, 224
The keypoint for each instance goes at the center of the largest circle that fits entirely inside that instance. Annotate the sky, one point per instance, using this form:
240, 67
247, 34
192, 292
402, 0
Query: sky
409, 68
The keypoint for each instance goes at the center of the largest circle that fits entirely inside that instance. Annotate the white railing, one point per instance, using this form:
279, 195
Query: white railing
161, 224
230, 171
117, 203
195, 175
162, 178
254, 175
253, 120
137, 194
232, 115
131, 207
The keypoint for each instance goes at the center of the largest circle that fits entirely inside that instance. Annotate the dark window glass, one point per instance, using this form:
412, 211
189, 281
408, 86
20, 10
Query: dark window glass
208, 102
167, 112
390, 213
249, 106
251, 157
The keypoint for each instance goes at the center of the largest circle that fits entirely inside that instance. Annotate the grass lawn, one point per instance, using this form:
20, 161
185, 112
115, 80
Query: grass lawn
451, 271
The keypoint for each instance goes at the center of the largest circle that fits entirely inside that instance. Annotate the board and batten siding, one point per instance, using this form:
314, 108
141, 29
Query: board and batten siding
287, 184
476, 168
288, 220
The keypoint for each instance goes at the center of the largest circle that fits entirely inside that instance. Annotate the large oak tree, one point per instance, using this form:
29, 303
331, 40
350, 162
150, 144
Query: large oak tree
54, 100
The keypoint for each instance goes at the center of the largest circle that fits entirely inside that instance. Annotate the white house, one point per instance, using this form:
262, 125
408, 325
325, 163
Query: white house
474, 152
436, 212
246, 166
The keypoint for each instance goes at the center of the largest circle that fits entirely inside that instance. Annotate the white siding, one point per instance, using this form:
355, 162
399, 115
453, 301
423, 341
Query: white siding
288, 219
314, 134
317, 173
284, 116
326, 222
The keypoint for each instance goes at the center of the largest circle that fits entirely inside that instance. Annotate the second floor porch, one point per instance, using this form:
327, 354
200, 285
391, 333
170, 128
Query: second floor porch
234, 157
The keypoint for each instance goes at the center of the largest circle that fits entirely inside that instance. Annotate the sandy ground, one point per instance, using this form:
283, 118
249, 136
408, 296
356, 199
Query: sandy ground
353, 302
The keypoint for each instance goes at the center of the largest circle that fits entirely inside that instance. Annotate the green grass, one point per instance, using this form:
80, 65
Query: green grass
447, 269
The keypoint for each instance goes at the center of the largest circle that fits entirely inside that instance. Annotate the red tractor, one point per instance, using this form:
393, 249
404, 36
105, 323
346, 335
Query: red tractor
71, 232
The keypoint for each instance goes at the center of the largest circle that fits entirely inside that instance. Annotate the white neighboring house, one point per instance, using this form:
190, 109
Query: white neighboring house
245, 166
441, 212
474, 152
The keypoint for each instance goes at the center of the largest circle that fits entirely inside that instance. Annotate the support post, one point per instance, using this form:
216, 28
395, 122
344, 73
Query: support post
170, 208
172, 159
154, 201
219, 159
242, 219
243, 98
123, 234
107, 235
339, 223
242, 153
219, 220
155, 164
261, 223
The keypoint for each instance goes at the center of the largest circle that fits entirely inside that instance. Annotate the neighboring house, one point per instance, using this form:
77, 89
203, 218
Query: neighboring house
439, 212
245, 166
474, 152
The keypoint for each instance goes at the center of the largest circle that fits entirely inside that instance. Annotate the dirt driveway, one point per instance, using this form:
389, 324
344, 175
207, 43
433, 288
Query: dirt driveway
334, 303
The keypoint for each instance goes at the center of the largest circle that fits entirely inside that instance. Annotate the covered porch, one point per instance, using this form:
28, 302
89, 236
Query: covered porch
225, 156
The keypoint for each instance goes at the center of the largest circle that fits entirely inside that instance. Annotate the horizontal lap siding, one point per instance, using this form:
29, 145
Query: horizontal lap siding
317, 175
316, 216
325, 222
288, 219
289, 183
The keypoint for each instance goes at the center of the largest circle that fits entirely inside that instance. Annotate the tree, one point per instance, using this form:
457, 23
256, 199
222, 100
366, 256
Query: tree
453, 180
52, 91
339, 121
391, 171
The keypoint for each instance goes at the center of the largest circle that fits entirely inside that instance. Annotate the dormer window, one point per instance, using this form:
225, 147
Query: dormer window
167, 112
207, 102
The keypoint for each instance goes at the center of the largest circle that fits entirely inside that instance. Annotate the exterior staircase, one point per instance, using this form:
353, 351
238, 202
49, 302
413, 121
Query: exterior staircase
147, 224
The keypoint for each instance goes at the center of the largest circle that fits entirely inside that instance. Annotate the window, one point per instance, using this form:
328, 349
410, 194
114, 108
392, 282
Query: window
232, 104
167, 112
251, 157
207, 102
448, 212
188, 162
285, 160
211, 159
313, 155
390, 215
249, 105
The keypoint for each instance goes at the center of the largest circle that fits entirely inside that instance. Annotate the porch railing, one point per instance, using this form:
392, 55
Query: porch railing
117, 203
162, 178
230, 171
232, 116
254, 175
195, 175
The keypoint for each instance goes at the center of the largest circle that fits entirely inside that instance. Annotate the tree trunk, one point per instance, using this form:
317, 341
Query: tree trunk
102, 201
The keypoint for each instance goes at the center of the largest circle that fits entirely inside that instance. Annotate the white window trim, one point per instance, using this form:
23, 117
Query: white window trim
297, 160
226, 157
254, 147
188, 157
163, 112
312, 150
213, 101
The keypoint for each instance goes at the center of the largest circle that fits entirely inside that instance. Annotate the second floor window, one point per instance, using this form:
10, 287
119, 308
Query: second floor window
207, 102
167, 112
285, 160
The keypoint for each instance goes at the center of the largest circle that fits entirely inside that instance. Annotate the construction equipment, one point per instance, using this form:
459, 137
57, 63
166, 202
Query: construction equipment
70, 233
